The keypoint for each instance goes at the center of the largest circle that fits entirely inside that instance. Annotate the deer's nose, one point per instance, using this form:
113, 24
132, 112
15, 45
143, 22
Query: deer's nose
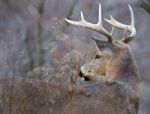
81, 74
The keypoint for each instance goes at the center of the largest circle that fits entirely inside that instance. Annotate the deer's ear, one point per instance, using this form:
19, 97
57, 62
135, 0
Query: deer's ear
103, 44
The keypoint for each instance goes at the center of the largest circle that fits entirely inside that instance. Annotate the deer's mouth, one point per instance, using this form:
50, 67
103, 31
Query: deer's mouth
87, 77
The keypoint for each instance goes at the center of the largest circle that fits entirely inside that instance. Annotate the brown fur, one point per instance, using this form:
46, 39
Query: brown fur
118, 64
115, 64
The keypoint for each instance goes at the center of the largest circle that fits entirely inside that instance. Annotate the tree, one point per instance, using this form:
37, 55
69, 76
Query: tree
145, 4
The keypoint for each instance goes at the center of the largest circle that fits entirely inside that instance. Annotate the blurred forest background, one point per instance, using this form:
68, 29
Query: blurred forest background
37, 44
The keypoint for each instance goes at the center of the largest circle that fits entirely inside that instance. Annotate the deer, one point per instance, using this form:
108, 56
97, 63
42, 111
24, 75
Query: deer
114, 61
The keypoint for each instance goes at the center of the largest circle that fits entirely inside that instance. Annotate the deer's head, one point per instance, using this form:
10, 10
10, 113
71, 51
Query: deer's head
114, 56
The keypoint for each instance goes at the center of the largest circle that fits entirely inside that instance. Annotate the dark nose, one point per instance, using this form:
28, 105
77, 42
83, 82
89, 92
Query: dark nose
85, 77
81, 74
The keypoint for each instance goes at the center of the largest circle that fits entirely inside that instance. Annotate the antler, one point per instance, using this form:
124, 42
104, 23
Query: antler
130, 28
97, 27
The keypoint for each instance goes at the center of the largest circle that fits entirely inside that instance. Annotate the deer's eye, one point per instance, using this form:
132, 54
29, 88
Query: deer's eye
97, 56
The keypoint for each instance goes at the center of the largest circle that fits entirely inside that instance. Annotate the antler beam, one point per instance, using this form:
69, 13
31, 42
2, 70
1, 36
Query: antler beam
97, 27
119, 25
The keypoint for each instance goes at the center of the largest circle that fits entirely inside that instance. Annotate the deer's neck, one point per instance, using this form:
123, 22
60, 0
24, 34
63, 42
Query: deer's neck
122, 67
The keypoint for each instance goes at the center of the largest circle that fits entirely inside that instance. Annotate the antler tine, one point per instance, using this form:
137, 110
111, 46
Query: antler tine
130, 28
97, 27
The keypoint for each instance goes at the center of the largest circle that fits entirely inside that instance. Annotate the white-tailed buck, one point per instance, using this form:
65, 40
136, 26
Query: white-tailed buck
114, 61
